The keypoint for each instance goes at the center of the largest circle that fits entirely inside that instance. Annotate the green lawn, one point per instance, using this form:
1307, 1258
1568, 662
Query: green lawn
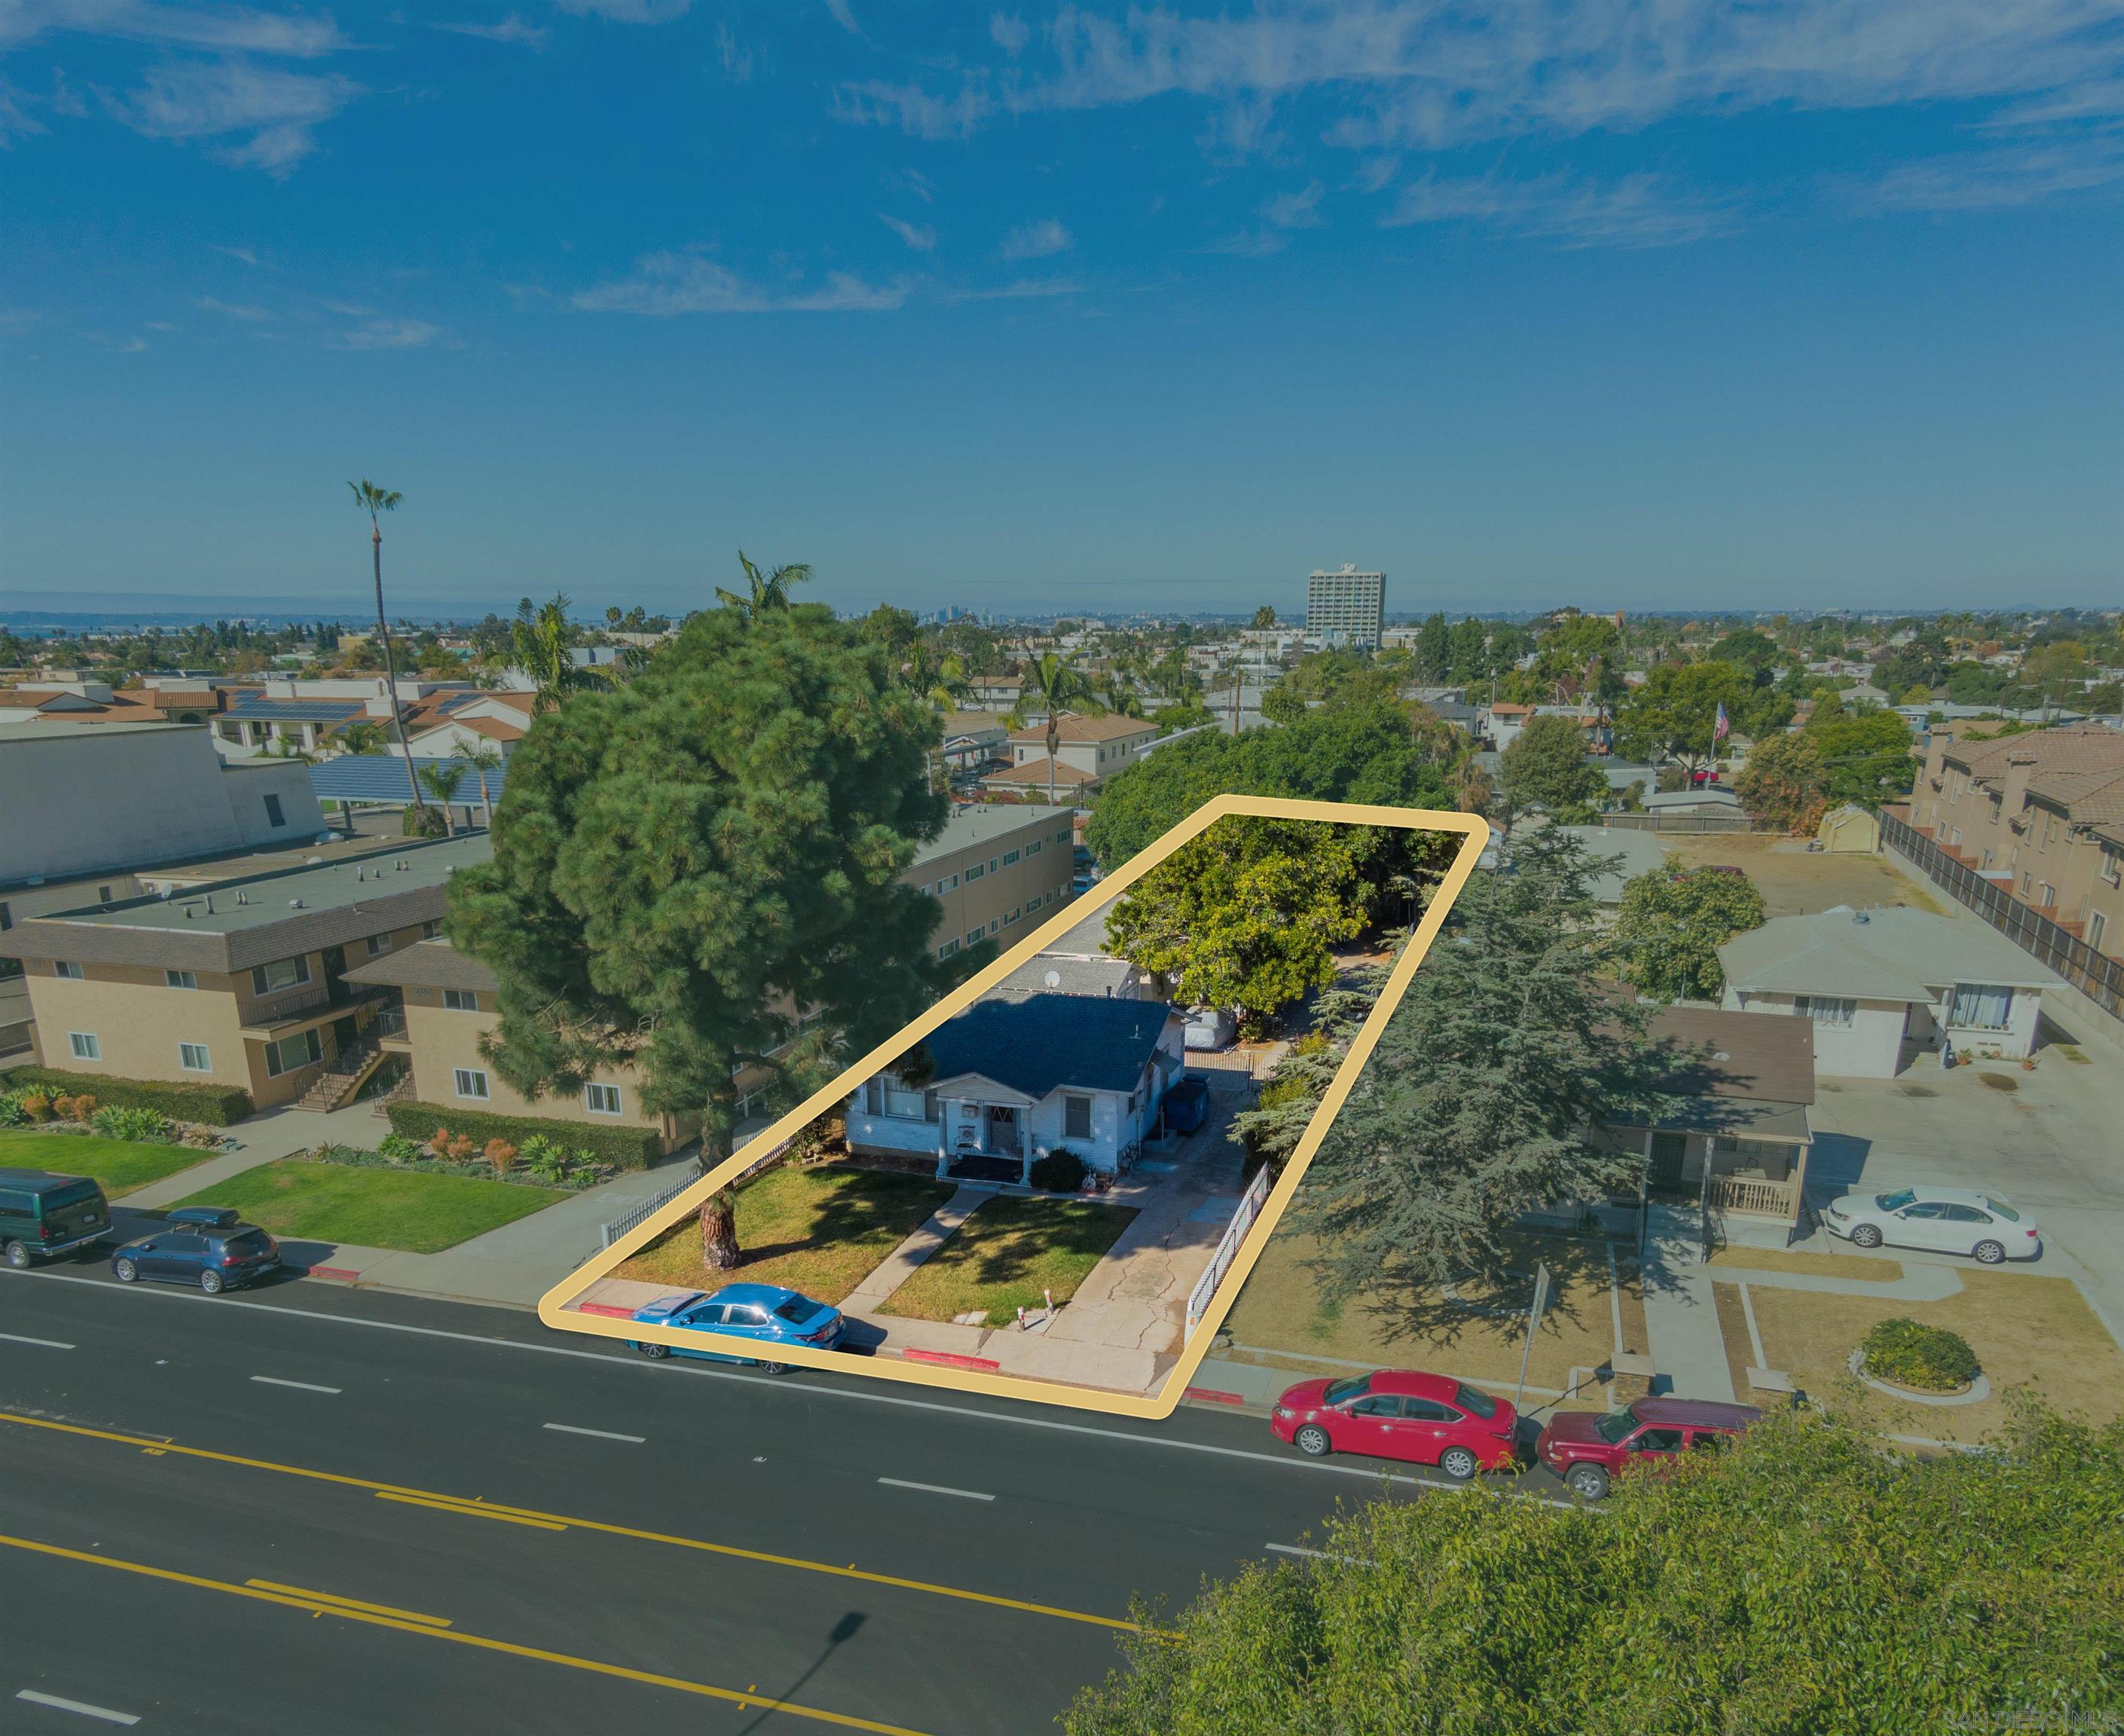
119, 1165
820, 1231
1006, 1254
374, 1209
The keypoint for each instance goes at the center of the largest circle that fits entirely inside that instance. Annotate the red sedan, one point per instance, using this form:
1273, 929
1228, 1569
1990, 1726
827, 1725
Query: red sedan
1394, 1413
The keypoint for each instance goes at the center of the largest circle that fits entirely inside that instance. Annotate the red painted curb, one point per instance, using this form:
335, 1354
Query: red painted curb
951, 1359
610, 1311
342, 1274
1213, 1396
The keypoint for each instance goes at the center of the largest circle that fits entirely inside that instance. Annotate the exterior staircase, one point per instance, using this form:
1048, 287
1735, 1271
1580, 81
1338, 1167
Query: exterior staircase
398, 1091
346, 1075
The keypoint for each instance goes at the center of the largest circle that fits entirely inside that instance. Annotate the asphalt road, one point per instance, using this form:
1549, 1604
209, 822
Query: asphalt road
353, 1511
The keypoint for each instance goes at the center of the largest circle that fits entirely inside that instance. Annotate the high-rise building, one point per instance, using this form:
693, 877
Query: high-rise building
1346, 608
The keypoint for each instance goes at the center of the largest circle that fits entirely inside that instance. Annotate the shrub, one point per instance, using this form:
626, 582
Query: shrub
216, 1105
1930, 1358
119, 1122
1060, 1171
12, 1114
74, 1108
500, 1153
397, 1148
624, 1148
37, 1105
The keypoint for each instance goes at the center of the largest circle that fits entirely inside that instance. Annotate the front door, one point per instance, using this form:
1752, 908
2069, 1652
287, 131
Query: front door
1002, 1130
1670, 1151
335, 989
346, 1033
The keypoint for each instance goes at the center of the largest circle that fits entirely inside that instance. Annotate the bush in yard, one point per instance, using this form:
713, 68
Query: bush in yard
1930, 1358
12, 1114
500, 1153
1058, 1171
74, 1108
398, 1149
149, 1126
215, 1105
624, 1148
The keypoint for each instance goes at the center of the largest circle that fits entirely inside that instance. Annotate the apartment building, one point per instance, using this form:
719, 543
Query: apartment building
1089, 750
245, 982
991, 869
2040, 814
1346, 608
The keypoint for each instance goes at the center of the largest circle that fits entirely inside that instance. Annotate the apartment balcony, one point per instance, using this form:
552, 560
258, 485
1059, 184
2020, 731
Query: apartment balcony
318, 1007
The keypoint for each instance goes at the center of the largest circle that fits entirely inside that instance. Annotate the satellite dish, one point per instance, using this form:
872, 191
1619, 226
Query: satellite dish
1053, 979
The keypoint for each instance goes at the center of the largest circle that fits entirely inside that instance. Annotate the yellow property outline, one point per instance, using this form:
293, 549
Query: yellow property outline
1476, 833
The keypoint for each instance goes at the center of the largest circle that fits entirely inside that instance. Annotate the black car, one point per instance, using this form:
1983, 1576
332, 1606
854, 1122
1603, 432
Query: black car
206, 1245
42, 1213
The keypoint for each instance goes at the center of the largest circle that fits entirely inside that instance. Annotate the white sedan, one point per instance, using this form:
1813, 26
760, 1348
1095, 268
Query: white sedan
1948, 1219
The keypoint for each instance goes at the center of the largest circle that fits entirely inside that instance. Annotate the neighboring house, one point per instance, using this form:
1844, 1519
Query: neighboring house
1744, 1087
975, 742
242, 983
448, 1006
1078, 963
33, 701
2041, 814
253, 724
1093, 748
1882, 986
1706, 801
1013, 1078
993, 866
1641, 853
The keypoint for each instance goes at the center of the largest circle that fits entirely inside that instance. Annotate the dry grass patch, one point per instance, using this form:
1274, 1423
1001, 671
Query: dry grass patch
821, 1231
1011, 1253
1865, 1269
2026, 1331
1793, 882
1282, 1318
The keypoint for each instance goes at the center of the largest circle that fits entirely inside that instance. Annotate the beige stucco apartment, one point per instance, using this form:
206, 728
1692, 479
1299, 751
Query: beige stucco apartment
245, 982
1089, 750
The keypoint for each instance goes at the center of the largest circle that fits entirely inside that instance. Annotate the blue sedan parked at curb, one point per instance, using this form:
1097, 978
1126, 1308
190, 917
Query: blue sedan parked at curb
210, 1246
764, 1312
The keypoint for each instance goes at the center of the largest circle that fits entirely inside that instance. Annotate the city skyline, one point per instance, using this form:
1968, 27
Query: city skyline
1649, 308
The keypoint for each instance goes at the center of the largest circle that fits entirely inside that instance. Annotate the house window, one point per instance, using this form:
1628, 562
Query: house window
975, 872
274, 816
379, 944
472, 1082
103, 895
292, 1052
2046, 896
2112, 872
947, 884
282, 973
1033, 849
2098, 925
1826, 1009
1011, 856
903, 1104
1076, 1118
179, 979
461, 1000
193, 1058
1013, 917
974, 935
946, 950
601, 1099
67, 968
1981, 1006
431, 930
994, 924
85, 1045
994, 865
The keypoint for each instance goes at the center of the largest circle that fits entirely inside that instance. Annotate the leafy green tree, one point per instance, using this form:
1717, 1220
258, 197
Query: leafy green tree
1477, 1104
1673, 713
764, 590
1867, 753
1785, 784
1803, 1580
1054, 687
486, 763
1264, 616
441, 778
363, 737
685, 863
1976, 683
1750, 649
1469, 650
541, 642
1672, 923
376, 501
1546, 767
1248, 915
1434, 649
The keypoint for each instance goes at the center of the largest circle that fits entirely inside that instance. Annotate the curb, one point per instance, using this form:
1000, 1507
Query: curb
951, 1359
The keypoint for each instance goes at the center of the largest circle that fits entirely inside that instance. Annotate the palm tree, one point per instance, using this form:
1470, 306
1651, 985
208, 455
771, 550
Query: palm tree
376, 501
362, 737
1117, 694
441, 778
767, 590
540, 645
484, 761
935, 674
1054, 685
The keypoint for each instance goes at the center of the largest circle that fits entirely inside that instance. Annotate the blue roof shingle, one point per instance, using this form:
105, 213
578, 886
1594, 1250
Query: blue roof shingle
1043, 1042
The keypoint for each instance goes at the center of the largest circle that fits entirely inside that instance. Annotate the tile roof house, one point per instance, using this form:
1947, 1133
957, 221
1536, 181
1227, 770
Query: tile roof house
1013, 1078
1088, 751
1882, 986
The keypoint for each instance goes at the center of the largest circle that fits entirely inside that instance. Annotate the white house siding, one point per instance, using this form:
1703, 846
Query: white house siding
1884, 1037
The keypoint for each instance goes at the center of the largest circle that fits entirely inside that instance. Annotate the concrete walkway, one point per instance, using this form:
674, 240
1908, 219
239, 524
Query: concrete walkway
1917, 1284
898, 1266
1681, 1318
264, 1139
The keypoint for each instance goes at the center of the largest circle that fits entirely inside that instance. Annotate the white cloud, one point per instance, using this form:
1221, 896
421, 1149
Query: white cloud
665, 284
1010, 33
913, 110
233, 310
1995, 179
388, 334
1299, 210
222, 29
259, 117
737, 61
629, 11
1636, 211
1025, 288
512, 29
843, 17
920, 236
245, 254
1040, 240
16, 119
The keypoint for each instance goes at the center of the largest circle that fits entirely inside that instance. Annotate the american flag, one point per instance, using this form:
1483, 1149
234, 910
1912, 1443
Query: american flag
1721, 729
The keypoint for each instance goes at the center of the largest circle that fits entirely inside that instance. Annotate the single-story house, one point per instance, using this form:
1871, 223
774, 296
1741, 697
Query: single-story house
1014, 1078
1744, 1088
1882, 986
1705, 799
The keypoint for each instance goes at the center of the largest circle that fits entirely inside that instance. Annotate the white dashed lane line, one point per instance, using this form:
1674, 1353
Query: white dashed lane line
600, 1434
101, 1714
17, 1337
267, 1380
935, 1488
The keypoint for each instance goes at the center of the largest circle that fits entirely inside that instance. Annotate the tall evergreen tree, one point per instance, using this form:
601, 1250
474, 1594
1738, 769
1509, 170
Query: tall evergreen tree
1546, 767
685, 864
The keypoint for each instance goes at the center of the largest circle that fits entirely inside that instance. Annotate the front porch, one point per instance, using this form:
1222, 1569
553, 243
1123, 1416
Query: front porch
1762, 1177
984, 1140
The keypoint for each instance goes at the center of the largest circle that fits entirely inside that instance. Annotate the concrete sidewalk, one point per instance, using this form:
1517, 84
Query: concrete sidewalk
1681, 1317
898, 1266
265, 1138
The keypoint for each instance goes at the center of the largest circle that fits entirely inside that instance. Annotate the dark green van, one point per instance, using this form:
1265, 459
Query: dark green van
42, 1214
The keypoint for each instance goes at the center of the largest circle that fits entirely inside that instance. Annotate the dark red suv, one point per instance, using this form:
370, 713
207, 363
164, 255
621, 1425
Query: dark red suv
1588, 1450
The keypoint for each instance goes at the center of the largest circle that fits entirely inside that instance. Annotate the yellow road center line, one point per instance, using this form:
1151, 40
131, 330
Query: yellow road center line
459, 1504
442, 1505
351, 1603
312, 1602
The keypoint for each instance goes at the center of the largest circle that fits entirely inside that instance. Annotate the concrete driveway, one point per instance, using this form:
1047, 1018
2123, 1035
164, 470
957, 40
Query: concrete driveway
2051, 1140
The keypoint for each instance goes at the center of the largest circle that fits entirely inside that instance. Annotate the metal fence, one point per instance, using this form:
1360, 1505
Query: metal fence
1679, 823
642, 1210
1227, 1250
2100, 979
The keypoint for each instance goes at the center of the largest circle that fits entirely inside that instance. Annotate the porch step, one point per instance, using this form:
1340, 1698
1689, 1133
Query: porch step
349, 1071
978, 1169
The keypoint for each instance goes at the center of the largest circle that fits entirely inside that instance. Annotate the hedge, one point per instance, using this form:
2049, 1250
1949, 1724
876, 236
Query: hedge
1930, 1358
628, 1148
218, 1105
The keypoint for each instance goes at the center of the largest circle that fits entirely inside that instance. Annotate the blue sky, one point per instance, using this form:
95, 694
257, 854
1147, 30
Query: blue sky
1632, 305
